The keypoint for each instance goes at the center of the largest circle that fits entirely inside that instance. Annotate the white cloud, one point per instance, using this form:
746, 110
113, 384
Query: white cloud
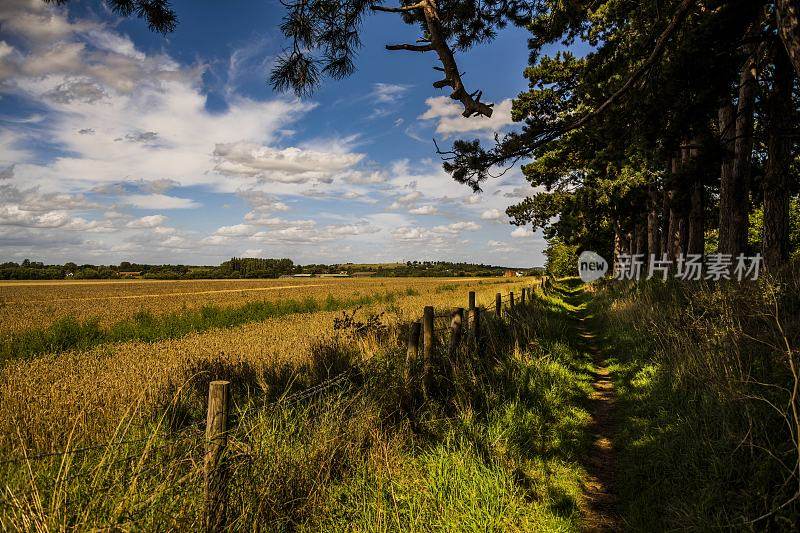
408, 233
406, 199
303, 233
161, 201
388, 92
447, 113
457, 227
363, 178
151, 221
492, 214
236, 231
424, 210
258, 219
261, 201
522, 233
472, 199
287, 165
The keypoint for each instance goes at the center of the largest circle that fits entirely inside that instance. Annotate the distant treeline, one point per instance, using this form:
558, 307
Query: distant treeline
243, 267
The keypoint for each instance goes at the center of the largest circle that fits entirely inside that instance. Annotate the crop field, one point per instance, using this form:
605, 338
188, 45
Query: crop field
82, 394
28, 304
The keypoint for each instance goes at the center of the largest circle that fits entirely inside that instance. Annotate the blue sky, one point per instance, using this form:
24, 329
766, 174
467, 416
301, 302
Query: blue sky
120, 144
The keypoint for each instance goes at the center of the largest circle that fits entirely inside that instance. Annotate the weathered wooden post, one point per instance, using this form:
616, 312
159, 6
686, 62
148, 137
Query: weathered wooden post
216, 474
522, 296
412, 348
456, 321
511, 299
498, 305
471, 300
427, 345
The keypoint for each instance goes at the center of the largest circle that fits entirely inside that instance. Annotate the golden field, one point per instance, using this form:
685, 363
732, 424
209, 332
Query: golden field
81, 396
28, 304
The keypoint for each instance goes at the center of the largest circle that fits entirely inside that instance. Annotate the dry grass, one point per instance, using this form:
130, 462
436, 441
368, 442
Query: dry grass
85, 393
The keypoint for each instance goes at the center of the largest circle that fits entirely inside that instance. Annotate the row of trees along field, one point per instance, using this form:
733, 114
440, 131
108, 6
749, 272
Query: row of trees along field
699, 142
243, 267
697, 156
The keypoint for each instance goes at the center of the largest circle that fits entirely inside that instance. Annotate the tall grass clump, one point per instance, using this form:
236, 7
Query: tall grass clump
70, 334
707, 379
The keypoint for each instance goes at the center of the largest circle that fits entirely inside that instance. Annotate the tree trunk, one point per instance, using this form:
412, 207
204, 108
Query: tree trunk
696, 222
775, 244
641, 240
678, 235
632, 241
618, 246
729, 240
788, 15
653, 229
665, 221
743, 153
675, 213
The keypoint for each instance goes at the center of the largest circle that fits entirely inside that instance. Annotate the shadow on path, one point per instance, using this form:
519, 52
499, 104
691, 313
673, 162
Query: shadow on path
600, 506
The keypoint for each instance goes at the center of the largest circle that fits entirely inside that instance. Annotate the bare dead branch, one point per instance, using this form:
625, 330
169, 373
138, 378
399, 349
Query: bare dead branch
430, 12
402, 9
410, 47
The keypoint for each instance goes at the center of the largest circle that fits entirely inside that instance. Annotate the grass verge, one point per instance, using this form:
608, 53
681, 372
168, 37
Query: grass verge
704, 379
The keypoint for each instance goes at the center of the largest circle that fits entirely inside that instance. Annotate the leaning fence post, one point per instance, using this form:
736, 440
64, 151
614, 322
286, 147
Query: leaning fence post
498, 305
427, 344
216, 475
456, 321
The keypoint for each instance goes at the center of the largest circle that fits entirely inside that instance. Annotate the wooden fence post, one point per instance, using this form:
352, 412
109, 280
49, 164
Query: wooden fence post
427, 345
456, 321
498, 305
522, 296
216, 474
471, 300
511, 299
412, 347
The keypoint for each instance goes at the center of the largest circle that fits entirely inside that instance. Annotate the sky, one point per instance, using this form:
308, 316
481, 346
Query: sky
118, 144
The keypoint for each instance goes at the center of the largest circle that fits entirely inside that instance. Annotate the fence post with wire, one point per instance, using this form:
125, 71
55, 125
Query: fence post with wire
216, 474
